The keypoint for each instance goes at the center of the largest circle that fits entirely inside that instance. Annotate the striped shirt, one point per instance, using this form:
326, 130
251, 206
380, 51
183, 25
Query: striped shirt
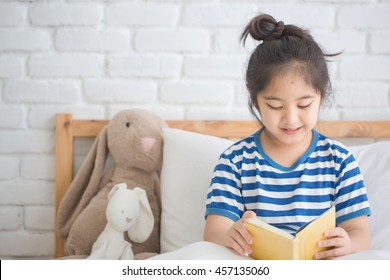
246, 178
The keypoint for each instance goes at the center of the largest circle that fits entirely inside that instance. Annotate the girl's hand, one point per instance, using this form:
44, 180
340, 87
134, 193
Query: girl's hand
237, 237
349, 237
339, 244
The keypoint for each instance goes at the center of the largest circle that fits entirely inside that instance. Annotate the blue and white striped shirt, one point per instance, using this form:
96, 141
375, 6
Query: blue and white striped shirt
245, 178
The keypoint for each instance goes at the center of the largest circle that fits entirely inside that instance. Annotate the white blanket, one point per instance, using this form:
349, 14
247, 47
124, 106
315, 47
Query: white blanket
203, 250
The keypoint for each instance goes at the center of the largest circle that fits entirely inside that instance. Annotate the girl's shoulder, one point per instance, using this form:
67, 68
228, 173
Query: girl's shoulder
331, 145
244, 145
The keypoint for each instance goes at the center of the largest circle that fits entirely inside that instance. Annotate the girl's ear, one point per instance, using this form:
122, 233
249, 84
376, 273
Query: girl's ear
141, 231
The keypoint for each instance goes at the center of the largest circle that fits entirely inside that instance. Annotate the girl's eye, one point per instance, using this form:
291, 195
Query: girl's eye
274, 107
304, 106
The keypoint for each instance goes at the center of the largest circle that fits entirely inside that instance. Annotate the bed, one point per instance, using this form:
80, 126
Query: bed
183, 207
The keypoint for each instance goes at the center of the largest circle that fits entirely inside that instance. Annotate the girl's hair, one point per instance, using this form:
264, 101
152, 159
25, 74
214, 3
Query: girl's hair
283, 48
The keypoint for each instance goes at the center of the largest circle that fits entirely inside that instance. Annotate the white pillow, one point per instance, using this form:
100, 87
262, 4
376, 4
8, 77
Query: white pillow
374, 162
188, 164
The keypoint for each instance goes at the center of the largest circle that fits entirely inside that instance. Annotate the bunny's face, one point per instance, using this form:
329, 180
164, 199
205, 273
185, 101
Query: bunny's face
123, 210
135, 140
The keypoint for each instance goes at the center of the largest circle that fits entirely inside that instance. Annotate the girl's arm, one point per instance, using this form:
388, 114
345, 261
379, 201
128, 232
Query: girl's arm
349, 237
224, 231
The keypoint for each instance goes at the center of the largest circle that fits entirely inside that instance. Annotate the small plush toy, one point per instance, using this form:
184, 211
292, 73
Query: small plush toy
133, 140
127, 210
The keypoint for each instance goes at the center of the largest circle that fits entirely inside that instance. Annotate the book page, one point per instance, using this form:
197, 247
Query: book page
313, 232
269, 242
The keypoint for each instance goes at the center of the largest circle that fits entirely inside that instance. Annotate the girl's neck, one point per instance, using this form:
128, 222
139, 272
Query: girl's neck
284, 154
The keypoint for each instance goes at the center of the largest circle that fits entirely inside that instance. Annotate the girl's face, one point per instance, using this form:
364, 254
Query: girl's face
289, 109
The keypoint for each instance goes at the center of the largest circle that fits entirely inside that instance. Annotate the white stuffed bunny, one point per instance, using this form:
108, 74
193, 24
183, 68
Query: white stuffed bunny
127, 210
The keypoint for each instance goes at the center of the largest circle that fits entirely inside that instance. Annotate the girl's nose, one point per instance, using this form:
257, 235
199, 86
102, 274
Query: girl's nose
290, 116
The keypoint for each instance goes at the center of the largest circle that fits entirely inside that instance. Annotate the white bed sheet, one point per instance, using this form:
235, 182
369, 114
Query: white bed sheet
204, 250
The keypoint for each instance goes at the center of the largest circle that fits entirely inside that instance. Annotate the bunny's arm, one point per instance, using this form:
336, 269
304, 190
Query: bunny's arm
127, 253
99, 250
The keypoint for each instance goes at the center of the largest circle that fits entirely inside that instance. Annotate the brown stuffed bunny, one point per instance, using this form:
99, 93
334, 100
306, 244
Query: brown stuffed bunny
133, 139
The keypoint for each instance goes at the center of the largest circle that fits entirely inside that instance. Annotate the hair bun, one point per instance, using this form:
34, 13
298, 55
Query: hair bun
276, 33
263, 28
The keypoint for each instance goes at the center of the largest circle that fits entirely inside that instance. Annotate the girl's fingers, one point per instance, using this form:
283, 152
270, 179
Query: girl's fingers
245, 234
338, 244
334, 242
330, 254
244, 239
240, 239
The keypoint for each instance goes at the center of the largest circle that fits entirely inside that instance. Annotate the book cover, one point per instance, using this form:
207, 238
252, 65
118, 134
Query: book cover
272, 243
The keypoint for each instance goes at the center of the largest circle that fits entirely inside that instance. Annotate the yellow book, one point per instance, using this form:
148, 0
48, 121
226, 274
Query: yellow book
272, 243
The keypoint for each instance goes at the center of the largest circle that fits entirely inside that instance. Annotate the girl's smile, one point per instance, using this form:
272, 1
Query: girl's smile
291, 131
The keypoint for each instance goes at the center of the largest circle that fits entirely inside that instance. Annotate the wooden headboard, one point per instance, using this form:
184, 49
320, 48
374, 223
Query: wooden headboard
68, 128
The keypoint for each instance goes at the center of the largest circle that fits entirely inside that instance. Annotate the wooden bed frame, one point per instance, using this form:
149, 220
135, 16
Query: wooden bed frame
68, 128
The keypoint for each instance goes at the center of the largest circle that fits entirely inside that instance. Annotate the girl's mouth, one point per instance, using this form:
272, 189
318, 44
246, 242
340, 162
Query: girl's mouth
290, 131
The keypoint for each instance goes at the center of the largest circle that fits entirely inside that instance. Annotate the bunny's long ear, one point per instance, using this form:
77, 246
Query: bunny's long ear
84, 185
144, 226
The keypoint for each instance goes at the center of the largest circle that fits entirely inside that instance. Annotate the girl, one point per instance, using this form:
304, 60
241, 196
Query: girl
287, 173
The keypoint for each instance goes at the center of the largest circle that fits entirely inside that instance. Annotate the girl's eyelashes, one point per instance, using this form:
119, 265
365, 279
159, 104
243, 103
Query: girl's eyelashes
281, 107
274, 107
304, 106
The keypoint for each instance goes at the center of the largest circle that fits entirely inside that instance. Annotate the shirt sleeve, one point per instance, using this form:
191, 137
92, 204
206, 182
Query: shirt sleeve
351, 195
224, 196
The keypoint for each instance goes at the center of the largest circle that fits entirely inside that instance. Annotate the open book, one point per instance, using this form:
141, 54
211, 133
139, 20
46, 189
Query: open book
272, 243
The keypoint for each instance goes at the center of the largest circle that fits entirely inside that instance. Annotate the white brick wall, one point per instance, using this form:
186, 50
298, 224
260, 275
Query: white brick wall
179, 58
